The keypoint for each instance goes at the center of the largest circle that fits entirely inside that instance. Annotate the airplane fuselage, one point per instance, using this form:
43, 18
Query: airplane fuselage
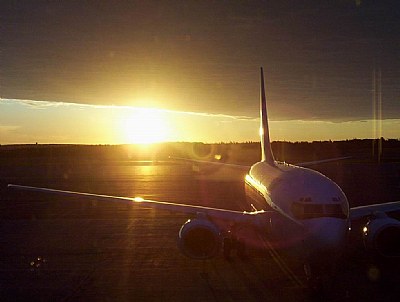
314, 211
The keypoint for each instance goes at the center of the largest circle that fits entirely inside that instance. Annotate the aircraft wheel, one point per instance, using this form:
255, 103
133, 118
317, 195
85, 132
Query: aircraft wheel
227, 248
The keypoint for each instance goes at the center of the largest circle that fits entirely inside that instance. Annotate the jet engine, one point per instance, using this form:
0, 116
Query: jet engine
382, 236
199, 239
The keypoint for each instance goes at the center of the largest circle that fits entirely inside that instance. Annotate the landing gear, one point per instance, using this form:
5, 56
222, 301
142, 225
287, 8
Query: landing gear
230, 244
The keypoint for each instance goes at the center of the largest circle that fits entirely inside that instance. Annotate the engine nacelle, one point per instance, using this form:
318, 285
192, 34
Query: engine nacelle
199, 239
382, 236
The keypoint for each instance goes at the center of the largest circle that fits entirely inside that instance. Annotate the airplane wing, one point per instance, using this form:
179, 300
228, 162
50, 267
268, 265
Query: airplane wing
224, 214
363, 211
316, 162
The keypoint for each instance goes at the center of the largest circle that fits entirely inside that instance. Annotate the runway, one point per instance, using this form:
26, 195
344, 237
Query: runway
63, 249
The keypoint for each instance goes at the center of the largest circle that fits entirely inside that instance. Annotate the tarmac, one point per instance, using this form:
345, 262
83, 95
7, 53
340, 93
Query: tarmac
64, 249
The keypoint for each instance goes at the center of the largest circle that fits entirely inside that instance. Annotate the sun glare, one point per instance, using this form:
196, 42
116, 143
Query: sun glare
145, 126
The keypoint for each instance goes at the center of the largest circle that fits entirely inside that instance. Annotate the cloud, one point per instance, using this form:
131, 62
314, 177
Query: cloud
31, 103
235, 117
48, 104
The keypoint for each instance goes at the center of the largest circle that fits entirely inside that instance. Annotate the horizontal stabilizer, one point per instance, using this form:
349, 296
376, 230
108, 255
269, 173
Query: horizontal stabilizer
322, 161
212, 163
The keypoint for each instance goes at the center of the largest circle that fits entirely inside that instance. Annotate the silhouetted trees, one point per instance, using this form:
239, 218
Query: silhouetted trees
245, 153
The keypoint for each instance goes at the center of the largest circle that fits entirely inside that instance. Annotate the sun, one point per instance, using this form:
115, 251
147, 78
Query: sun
145, 126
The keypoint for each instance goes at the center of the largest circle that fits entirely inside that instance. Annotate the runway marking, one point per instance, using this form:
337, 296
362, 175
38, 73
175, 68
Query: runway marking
282, 264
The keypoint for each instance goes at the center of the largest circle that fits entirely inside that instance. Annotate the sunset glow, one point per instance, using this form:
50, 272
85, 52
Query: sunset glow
27, 122
144, 126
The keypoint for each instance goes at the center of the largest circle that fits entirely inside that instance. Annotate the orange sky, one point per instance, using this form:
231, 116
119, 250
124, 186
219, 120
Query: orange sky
50, 122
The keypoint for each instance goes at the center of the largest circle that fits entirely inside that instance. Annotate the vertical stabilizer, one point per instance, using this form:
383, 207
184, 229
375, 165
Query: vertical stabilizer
266, 151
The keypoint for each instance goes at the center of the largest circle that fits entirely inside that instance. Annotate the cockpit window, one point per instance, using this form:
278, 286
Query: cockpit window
313, 209
316, 210
333, 209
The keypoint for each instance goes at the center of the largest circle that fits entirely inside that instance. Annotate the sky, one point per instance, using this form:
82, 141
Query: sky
88, 71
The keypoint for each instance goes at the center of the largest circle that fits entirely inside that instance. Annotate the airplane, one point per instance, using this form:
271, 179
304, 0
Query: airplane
294, 207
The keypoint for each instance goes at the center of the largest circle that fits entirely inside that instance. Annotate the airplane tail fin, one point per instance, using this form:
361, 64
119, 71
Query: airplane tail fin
266, 151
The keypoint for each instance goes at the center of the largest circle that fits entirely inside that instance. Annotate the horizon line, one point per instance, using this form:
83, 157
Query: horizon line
198, 142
